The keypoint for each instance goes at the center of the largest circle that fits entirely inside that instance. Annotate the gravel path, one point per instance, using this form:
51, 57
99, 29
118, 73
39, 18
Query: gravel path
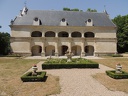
79, 82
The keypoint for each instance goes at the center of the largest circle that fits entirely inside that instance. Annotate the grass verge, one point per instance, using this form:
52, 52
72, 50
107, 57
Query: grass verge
11, 84
110, 83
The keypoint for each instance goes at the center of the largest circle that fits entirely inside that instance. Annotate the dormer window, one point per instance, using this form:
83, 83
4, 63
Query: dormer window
63, 22
89, 22
36, 19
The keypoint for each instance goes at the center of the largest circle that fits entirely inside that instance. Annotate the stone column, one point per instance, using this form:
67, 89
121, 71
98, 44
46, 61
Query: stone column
82, 48
43, 49
69, 34
56, 34
56, 49
82, 34
70, 46
43, 34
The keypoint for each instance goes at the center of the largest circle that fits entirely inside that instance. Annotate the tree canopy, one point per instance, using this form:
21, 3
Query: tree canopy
91, 10
68, 9
4, 43
76, 9
122, 33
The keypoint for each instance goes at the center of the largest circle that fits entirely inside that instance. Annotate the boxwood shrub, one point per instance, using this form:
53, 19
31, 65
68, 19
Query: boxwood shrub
113, 74
28, 76
75, 63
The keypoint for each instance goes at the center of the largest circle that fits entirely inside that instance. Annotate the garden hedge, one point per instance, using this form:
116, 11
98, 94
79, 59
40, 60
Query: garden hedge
60, 66
28, 76
113, 74
74, 63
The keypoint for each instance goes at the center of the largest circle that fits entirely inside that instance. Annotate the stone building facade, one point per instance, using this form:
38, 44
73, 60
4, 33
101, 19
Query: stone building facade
45, 33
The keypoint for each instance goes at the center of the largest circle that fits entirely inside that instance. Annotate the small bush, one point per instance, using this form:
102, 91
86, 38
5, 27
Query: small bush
113, 74
116, 55
28, 77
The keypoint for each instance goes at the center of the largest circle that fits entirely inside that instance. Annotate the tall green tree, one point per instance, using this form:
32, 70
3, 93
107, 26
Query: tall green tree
4, 43
122, 33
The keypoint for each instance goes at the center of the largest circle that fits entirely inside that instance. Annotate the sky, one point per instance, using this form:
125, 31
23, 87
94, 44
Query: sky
9, 9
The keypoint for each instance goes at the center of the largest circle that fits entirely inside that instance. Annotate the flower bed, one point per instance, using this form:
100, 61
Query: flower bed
113, 74
28, 76
75, 63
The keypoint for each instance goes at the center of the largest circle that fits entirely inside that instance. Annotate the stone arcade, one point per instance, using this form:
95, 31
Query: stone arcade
52, 33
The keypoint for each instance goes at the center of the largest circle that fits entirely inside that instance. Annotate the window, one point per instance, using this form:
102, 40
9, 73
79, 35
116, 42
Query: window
89, 20
36, 19
89, 34
63, 20
36, 34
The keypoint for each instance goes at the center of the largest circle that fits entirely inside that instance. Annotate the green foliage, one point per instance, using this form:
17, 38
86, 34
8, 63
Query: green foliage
91, 10
122, 33
28, 76
4, 43
68, 9
75, 63
116, 55
113, 74
76, 9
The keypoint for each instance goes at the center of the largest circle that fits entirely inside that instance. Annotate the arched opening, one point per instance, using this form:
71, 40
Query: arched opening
89, 34
63, 34
76, 50
36, 34
89, 50
50, 50
50, 34
76, 34
63, 50
36, 50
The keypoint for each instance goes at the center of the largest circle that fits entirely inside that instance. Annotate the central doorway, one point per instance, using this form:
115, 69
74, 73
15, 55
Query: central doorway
64, 49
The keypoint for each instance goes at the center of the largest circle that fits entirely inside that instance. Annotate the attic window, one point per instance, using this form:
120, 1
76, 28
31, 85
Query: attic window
36, 19
63, 20
89, 20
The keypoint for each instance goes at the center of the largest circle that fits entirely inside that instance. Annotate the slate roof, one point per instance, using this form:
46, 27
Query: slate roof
53, 18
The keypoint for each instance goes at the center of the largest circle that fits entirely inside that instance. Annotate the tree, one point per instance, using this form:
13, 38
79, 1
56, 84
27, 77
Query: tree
4, 43
68, 9
91, 10
122, 33
76, 9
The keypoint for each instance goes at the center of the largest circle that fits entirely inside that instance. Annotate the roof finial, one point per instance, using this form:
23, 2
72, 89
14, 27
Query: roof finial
105, 10
104, 7
25, 3
25, 9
